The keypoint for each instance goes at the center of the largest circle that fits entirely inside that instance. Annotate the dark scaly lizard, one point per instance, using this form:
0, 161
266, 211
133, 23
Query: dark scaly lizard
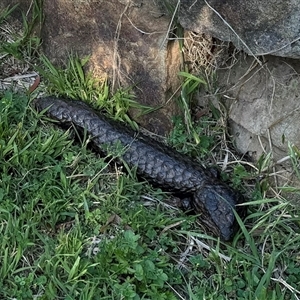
211, 198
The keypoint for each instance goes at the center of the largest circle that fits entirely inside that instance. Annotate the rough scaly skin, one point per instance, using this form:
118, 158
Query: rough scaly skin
211, 198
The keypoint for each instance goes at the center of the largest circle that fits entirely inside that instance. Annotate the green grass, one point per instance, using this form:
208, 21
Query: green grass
73, 225
23, 46
50, 182
72, 82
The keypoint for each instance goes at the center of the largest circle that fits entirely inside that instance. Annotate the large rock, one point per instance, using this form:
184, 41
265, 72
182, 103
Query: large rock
255, 26
264, 108
127, 42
